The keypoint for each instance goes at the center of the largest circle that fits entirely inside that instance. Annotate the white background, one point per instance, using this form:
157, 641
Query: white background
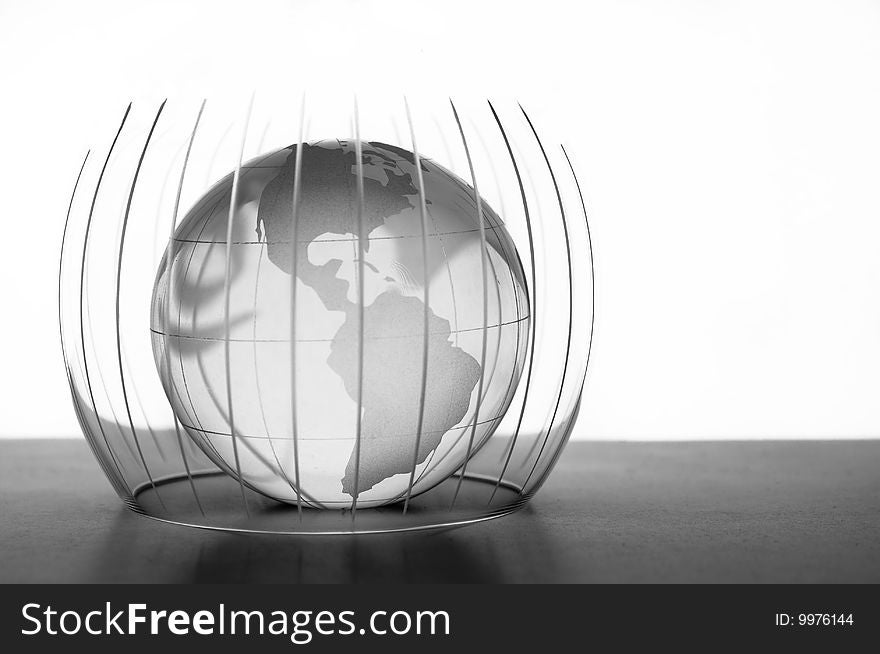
730, 153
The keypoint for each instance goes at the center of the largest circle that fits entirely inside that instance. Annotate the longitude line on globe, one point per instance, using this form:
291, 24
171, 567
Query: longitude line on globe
226, 301
532, 311
570, 298
122, 235
169, 262
483, 256
423, 213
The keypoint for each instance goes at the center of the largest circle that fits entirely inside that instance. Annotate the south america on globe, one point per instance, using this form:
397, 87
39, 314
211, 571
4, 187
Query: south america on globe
295, 385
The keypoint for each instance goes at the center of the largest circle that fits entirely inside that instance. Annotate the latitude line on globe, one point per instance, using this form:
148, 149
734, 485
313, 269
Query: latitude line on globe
490, 228
464, 426
325, 340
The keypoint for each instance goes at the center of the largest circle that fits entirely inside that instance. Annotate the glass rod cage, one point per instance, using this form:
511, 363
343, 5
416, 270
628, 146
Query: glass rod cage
328, 315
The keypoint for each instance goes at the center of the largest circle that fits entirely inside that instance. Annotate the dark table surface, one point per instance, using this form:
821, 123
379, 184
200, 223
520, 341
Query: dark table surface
611, 512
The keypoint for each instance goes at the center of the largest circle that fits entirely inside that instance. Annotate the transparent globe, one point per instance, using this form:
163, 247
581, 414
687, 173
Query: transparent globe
293, 421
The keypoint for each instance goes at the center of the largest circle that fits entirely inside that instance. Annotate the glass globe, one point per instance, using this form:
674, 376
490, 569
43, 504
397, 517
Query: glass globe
344, 416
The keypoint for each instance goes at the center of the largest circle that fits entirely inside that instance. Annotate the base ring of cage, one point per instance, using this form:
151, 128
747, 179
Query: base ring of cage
267, 516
